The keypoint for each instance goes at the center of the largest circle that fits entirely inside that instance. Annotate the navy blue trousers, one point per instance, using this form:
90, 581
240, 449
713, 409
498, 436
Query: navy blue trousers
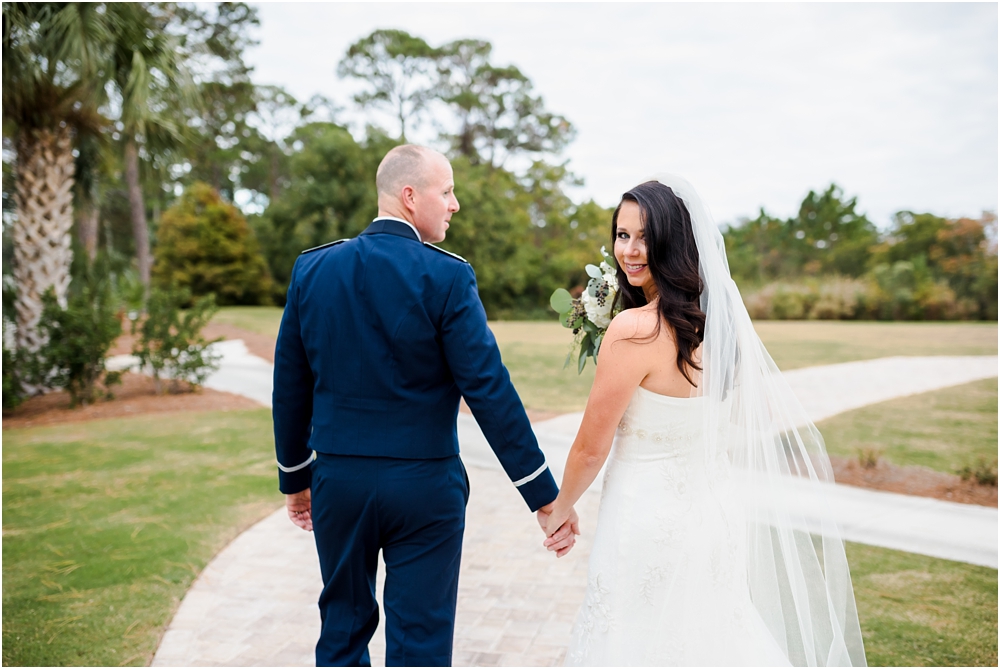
414, 512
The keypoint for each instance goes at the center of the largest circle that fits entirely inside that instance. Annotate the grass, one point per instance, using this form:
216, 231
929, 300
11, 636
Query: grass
795, 344
535, 354
944, 429
922, 611
262, 320
535, 351
106, 524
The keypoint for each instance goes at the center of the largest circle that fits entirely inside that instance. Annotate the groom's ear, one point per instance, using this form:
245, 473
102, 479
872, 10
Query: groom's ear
408, 197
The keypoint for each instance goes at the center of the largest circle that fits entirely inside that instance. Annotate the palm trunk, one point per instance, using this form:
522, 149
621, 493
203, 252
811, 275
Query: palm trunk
42, 229
138, 210
87, 227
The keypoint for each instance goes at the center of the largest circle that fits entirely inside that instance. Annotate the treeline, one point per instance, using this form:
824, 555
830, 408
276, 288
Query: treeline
830, 262
136, 143
186, 174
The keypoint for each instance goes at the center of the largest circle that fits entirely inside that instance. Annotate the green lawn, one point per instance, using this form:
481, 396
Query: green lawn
795, 344
535, 351
262, 320
921, 611
107, 523
945, 429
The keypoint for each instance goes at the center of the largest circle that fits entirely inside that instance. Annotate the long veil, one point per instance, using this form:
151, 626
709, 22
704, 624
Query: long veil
796, 566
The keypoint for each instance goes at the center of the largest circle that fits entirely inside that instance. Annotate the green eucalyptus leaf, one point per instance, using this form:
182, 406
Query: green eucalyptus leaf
581, 364
561, 301
594, 272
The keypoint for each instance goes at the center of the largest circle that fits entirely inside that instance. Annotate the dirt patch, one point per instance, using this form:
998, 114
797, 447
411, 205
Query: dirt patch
135, 396
918, 481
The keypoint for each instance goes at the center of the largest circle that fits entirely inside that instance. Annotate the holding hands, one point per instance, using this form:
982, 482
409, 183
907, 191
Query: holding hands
561, 525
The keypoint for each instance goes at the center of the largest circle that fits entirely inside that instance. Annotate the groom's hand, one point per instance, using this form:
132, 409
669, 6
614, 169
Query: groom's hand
560, 537
299, 507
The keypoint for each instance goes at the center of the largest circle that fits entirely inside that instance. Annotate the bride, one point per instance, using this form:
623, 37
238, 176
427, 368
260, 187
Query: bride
704, 553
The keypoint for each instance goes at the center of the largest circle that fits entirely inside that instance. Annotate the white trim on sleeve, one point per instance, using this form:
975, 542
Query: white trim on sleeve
289, 470
531, 477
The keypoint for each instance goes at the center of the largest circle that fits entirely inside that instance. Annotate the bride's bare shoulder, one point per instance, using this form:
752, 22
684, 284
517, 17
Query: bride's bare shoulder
638, 323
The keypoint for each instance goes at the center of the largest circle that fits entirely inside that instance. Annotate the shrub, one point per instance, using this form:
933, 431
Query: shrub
983, 472
78, 338
170, 341
13, 389
205, 245
839, 299
901, 291
869, 458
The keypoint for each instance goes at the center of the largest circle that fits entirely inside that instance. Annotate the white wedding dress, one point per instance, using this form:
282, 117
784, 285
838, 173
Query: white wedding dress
668, 576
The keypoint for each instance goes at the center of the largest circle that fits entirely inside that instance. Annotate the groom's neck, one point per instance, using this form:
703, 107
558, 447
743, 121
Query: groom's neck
395, 212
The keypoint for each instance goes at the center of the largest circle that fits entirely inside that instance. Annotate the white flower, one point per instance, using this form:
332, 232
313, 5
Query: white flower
598, 315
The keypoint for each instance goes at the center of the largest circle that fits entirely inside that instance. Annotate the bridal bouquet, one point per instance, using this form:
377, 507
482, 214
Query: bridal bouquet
590, 314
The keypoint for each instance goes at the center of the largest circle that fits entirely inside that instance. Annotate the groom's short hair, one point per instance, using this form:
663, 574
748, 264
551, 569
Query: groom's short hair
402, 166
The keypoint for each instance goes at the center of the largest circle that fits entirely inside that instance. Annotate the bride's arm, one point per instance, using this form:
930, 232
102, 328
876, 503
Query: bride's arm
621, 368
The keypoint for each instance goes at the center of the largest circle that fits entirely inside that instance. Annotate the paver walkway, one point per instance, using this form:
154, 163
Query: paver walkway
255, 603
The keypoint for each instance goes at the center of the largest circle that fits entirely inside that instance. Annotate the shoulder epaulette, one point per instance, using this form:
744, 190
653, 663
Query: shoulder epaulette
447, 253
323, 246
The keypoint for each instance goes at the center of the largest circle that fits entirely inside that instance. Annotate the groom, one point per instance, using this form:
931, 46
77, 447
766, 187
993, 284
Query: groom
380, 338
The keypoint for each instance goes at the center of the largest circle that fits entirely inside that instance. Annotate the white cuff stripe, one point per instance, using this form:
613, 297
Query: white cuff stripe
289, 470
531, 477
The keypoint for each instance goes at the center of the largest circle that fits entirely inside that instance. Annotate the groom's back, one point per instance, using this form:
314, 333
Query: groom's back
370, 315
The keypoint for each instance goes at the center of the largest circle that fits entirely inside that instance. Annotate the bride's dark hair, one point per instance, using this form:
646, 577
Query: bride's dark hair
672, 258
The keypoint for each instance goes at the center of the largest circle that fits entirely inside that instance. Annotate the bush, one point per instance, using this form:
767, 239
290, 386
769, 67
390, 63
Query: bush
901, 291
983, 472
205, 245
13, 390
78, 338
170, 341
835, 298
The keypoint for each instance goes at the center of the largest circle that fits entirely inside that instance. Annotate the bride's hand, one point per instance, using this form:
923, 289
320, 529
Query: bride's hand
561, 528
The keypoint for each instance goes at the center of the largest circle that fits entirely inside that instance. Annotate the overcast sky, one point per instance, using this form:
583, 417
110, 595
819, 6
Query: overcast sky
754, 104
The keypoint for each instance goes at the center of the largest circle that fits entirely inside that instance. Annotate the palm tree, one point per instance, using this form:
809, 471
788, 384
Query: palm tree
51, 91
153, 84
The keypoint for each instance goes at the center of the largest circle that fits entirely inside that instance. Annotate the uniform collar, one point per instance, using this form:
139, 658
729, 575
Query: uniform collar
392, 226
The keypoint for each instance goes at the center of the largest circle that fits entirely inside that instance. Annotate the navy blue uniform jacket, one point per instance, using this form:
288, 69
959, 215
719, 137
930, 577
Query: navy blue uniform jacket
380, 337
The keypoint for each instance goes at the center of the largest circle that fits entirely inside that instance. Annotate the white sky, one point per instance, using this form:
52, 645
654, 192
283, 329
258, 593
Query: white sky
754, 104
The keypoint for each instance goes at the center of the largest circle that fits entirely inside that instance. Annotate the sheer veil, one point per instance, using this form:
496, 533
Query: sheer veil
797, 570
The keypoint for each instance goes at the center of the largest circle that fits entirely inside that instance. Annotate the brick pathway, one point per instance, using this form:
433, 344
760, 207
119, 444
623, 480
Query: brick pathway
255, 604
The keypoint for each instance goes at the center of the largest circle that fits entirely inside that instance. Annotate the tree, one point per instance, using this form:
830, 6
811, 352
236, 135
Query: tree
836, 237
498, 114
958, 252
330, 195
828, 236
152, 83
398, 69
206, 246
51, 92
